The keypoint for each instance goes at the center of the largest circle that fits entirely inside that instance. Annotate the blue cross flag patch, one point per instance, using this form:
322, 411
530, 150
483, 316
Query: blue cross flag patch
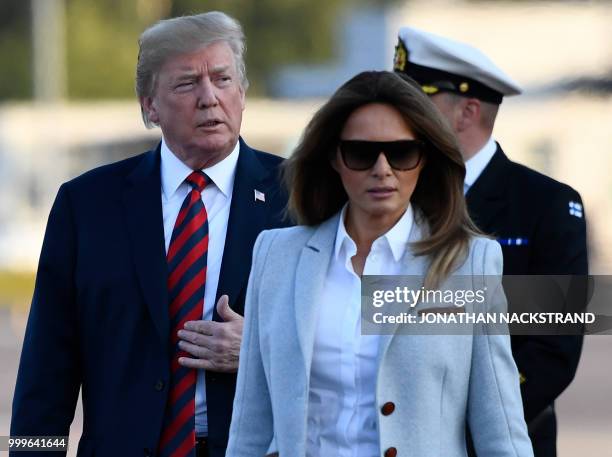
575, 209
513, 241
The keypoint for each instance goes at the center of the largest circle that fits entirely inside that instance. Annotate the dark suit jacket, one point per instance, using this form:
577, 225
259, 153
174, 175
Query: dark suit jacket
511, 201
99, 315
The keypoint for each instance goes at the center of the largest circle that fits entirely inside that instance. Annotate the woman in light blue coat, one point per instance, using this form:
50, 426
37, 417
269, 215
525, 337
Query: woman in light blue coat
376, 183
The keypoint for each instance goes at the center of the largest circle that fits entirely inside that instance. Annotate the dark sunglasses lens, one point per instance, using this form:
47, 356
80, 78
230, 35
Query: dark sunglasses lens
362, 155
359, 155
404, 155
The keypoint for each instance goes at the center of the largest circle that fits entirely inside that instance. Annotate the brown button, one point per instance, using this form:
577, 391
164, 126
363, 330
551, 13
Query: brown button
391, 452
387, 408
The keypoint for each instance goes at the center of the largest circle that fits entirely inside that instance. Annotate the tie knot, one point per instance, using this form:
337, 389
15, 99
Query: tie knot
198, 180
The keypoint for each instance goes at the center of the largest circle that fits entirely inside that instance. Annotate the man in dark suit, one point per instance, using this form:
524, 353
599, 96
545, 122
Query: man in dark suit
137, 254
538, 221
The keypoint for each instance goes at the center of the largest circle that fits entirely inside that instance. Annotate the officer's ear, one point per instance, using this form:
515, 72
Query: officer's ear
469, 113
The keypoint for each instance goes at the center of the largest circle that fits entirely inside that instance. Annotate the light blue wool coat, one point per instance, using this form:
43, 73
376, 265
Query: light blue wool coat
438, 383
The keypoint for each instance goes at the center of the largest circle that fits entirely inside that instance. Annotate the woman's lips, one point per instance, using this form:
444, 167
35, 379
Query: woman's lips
381, 192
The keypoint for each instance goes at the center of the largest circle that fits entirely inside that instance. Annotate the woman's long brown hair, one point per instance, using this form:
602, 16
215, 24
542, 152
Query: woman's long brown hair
316, 192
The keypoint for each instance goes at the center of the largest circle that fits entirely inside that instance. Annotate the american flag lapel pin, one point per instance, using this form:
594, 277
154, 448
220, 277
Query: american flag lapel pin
260, 196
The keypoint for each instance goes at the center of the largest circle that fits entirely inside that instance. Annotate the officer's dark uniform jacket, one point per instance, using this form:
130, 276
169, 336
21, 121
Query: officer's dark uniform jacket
541, 226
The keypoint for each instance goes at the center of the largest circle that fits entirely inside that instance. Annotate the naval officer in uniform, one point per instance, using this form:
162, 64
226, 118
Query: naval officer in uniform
538, 221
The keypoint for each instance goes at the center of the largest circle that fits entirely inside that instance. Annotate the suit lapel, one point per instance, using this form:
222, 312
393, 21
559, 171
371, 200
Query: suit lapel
309, 280
143, 214
247, 218
486, 199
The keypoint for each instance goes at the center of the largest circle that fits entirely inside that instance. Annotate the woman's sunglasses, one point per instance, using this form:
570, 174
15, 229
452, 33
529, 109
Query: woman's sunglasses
360, 155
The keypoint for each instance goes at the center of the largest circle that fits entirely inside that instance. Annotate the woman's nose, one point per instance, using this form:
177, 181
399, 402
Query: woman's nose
381, 167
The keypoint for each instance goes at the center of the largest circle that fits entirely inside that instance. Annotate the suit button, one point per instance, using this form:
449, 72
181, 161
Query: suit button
159, 385
391, 452
387, 408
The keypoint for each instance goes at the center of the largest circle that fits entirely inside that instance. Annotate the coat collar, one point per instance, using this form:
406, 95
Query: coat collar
310, 277
413, 265
486, 199
312, 271
141, 199
142, 207
248, 217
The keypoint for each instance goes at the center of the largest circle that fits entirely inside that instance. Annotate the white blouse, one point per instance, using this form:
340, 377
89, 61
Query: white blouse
342, 398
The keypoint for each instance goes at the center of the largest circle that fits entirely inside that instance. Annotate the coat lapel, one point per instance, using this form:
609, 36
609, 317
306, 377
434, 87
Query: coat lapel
486, 199
309, 280
247, 218
413, 265
143, 214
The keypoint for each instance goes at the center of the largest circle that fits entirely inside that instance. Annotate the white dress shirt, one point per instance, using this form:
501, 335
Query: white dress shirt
477, 163
342, 398
217, 198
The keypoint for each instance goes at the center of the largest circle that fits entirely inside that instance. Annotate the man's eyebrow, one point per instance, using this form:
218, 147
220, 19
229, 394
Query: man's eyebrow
186, 72
219, 69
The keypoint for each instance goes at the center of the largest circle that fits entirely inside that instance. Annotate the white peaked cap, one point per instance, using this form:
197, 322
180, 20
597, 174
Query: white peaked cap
430, 58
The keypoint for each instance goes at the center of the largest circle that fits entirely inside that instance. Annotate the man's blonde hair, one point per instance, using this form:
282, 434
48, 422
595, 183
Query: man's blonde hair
181, 35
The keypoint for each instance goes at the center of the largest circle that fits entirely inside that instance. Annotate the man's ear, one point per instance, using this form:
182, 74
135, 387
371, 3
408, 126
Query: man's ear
150, 107
242, 96
469, 114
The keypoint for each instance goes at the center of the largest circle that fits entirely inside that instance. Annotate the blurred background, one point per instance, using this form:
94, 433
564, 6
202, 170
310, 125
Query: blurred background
67, 104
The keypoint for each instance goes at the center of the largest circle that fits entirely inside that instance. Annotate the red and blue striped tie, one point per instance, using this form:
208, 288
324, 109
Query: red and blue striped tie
186, 281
